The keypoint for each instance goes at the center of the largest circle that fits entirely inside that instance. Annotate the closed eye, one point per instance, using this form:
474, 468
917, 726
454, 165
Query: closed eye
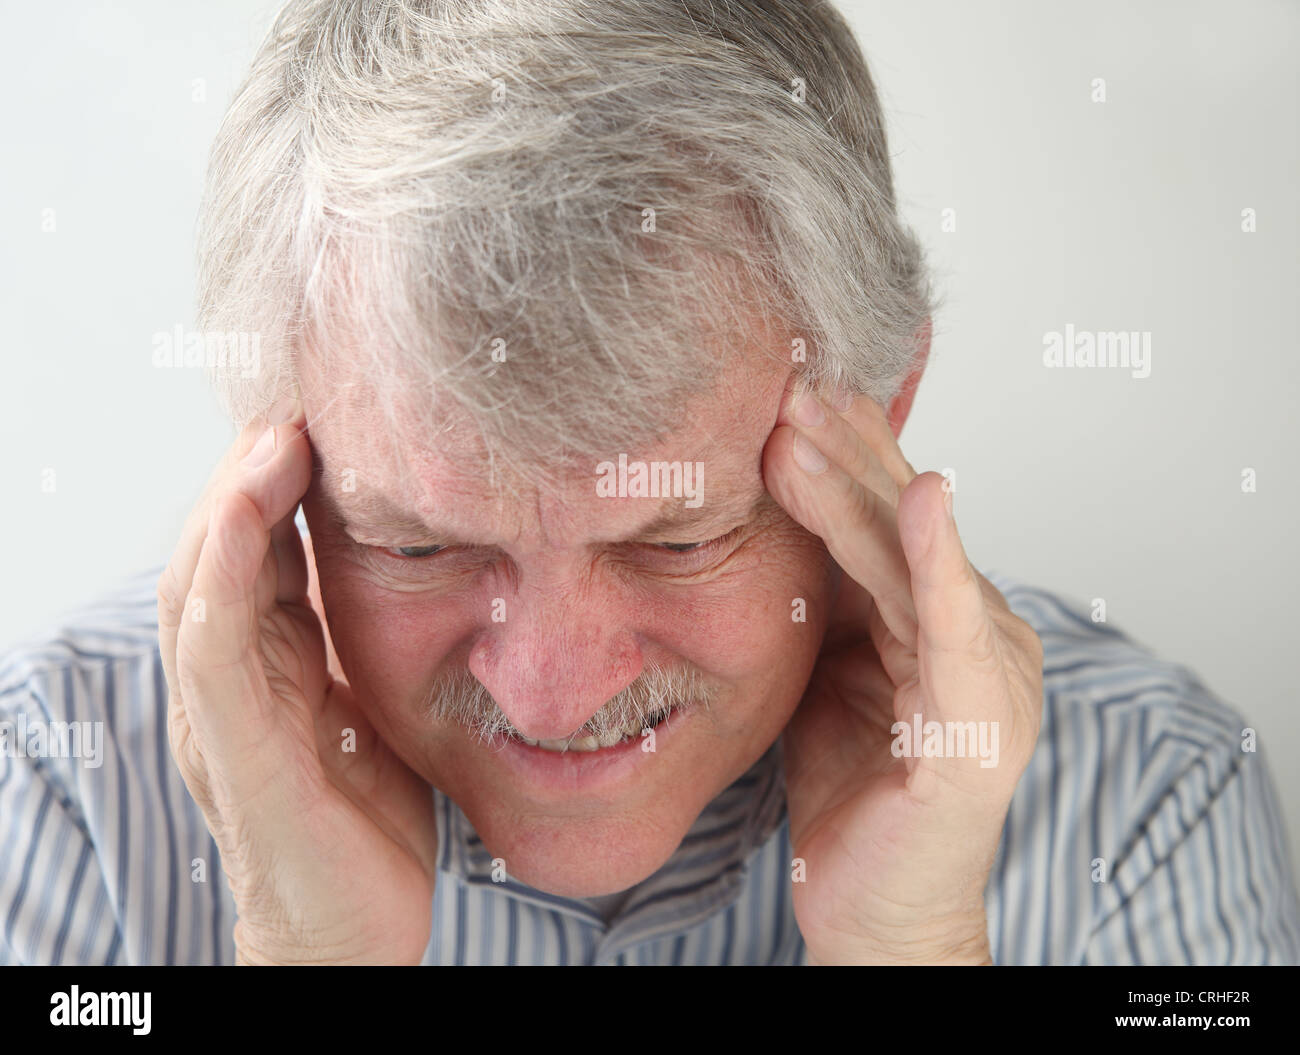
413, 552
696, 547
418, 552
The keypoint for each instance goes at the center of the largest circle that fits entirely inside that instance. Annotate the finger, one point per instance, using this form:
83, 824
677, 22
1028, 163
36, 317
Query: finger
269, 488
174, 584
856, 619
264, 480
958, 650
286, 413
868, 420
858, 527
838, 438
223, 683
899, 661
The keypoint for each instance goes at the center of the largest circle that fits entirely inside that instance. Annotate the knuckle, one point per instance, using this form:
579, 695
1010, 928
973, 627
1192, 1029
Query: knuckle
965, 577
862, 508
983, 645
171, 598
189, 760
1035, 644
1027, 644
992, 594
1028, 638
861, 460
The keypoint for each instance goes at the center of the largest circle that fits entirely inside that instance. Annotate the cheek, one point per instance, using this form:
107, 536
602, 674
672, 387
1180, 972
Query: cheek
760, 628
389, 642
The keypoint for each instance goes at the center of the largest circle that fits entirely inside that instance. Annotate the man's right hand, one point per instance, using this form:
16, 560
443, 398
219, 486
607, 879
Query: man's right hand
330, 853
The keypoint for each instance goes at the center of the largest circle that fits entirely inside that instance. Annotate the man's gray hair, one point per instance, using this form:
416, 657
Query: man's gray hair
564, 214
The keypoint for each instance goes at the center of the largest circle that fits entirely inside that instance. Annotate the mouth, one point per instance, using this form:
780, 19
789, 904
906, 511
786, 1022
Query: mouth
613, 738
553, 771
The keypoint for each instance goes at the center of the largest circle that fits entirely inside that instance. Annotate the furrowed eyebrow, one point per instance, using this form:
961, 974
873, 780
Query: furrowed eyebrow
363, 510
376, 513
684, 520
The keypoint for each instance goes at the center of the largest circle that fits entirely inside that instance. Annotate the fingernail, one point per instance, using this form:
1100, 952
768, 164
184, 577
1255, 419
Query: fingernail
947, 500
810, 459
284, 409
809, 412
263, 450
843, 400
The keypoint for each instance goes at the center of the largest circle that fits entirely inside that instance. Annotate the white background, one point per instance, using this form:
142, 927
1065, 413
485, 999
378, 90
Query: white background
1122, 215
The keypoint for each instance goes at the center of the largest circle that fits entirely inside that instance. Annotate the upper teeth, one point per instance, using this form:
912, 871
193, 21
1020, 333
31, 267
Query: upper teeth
594, 743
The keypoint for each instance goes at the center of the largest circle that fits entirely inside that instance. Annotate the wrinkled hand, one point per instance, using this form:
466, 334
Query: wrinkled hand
330, 854
897, 850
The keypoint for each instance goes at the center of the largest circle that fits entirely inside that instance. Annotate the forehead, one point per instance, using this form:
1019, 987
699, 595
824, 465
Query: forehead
384, 477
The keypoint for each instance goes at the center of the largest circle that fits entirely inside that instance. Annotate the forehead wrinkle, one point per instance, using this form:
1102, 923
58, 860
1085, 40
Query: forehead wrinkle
563, 501
364, 507
367, 509
731, 509
362, 510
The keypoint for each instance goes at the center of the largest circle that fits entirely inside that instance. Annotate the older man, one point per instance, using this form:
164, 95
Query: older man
621, 630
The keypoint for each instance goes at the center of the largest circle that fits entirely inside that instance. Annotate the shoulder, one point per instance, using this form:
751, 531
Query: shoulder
1093, 668
1147, 809
105, 856
120, 625
98, 663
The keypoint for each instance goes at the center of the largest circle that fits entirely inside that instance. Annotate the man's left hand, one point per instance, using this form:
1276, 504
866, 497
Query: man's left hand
897, 847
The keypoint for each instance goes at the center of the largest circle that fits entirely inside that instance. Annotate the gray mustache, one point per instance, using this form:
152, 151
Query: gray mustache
460, 697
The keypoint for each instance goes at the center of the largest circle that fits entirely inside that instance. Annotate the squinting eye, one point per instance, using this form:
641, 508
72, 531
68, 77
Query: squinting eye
413, 551
698, 547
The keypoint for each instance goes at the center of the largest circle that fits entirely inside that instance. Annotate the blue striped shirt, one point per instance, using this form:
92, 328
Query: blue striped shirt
1141, 832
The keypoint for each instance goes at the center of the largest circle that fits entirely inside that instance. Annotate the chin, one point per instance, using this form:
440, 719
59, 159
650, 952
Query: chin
577, 858
588, 823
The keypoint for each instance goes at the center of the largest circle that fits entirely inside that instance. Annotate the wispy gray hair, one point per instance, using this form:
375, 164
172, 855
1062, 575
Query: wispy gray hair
421, 182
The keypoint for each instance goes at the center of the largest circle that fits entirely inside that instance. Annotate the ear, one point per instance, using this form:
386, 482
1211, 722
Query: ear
901, 404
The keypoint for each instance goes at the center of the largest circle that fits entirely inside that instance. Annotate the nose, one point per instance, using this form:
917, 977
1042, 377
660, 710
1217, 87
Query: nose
559, 656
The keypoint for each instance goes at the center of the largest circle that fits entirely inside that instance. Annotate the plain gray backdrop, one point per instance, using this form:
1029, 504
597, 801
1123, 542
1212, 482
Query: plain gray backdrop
1122, 214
